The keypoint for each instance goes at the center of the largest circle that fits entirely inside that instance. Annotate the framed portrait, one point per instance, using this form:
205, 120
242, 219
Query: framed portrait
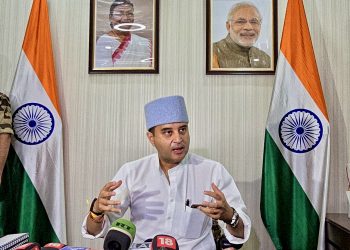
241, 37
124, 36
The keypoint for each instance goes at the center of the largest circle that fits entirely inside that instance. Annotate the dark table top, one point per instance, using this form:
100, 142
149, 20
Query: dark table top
340, 220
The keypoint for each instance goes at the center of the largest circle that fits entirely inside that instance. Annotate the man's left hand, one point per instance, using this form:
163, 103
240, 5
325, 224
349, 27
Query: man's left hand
219, 209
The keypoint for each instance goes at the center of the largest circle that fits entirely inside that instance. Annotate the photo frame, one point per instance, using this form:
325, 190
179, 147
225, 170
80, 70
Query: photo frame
241, 39
124, 36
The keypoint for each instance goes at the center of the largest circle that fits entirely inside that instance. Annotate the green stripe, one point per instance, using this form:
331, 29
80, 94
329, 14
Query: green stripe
286, 211
21, 209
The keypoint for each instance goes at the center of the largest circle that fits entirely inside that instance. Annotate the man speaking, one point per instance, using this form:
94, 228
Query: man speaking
171, 192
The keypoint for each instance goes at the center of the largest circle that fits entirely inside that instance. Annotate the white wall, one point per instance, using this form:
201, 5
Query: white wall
103, 114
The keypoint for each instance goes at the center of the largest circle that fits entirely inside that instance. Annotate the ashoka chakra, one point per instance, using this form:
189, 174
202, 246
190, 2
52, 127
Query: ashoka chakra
33, 123
300, 130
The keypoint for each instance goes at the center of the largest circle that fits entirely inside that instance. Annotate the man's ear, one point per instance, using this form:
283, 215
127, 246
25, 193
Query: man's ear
150, 137
228, 26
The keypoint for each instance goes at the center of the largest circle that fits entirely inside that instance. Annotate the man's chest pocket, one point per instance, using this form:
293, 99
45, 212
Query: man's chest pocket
192, 223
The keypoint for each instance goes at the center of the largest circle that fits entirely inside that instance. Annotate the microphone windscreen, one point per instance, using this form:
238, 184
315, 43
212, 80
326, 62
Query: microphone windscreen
116, 240
125, 226
28, 246
164, 242
120, 235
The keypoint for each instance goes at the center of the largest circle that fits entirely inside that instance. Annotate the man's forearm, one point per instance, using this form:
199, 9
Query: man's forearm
238, 231
94, 227
5, 140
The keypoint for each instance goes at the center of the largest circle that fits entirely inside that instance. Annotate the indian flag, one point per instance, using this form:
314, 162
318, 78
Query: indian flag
296, 151
32, 190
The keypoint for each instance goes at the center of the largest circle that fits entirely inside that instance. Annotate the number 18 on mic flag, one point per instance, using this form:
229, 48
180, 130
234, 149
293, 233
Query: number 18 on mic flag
164, 242
296, 150
32, 190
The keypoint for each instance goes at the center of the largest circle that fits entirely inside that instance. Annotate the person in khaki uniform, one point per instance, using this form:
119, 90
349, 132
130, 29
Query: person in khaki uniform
5, 130
236, 50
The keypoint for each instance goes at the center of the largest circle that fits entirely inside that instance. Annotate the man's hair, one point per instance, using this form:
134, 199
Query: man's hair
239, 5
117, 3
152, 130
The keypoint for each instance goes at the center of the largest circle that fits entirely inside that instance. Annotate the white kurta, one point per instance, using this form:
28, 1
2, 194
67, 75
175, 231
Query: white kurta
158, 207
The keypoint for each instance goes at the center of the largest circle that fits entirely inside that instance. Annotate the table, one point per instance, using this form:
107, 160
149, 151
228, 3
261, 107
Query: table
337, 231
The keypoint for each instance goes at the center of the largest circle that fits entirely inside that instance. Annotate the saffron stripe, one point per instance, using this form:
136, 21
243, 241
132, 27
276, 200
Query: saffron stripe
297, 47
38, 49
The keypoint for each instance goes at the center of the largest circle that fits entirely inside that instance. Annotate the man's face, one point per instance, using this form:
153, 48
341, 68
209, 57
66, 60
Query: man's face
122, 14
171, 141
244, 26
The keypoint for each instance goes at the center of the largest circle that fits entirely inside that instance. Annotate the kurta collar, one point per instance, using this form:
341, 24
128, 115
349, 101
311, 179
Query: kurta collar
182, 163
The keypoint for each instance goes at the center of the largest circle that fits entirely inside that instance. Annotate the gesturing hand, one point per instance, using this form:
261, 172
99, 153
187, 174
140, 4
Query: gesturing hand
219, 209
104, 203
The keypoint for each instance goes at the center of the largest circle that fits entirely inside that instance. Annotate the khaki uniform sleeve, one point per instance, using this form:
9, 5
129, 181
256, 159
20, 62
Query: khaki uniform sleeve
5, 115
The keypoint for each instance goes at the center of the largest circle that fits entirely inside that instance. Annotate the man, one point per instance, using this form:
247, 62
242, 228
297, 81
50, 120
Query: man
119, 47
163, 189
236, 50
5, 130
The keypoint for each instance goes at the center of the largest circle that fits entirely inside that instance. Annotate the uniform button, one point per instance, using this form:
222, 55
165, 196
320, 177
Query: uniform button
169, 218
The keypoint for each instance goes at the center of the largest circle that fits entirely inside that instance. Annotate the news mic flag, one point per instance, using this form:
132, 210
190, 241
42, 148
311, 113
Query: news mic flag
53, 246
120, 235
164, 242
29, 246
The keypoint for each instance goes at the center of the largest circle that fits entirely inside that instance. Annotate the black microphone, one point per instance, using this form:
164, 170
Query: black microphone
164, 242
29, 246
225, 244
120, 235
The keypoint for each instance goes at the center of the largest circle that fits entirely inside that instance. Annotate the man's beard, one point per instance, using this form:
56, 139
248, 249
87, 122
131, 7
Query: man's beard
245, 41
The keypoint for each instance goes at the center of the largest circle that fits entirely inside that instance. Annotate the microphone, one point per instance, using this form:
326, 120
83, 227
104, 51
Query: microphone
164, 242
225, 244
29, 246
53, 246
120, 235
146, 244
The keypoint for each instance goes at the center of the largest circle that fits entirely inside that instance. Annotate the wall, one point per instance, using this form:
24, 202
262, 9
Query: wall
103, 114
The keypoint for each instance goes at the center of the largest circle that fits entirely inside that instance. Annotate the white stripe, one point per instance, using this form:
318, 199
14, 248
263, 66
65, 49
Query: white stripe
49, 183
290, 93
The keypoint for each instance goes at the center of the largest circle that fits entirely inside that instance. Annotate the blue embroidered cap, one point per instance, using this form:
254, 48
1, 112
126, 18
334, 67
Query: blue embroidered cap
165, 110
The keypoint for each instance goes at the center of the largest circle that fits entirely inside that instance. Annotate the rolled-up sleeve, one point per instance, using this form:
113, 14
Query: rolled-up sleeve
247, 227
85, 233
234, 198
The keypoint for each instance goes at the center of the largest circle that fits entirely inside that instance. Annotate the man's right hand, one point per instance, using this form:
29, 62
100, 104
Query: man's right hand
104, 203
